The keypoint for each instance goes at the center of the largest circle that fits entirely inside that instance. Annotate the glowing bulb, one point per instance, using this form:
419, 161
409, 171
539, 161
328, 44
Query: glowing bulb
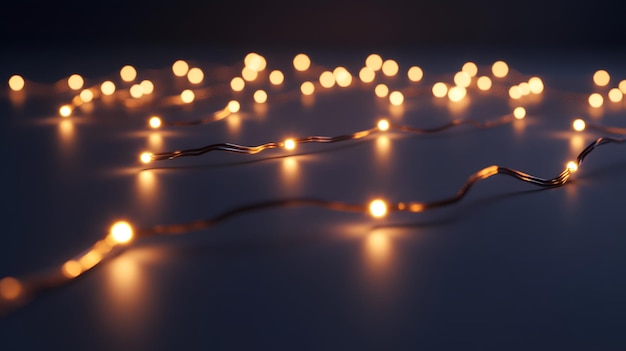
195, 75
10, 288
327, 79
75, 82
155, 122
107, 88
187, 96
65, 111
470, 68
601, 78
456, 94
289, 144
383, 125
277, 77
71, 269
579, 125
249, 74
616, 95
255, 62
307, 88
16, 82
86, 95
121, 232
536, 85
484, 83
367, 75
237, 84
500, 69
136, 91
515, 92
519, 113
440, 89
378, 208
622, 86
524, 88
233, 106
462, 79
260, 96
180, 68
572, 166
374, 62
396, 98
128, 73
595, 100
381, 90
342, 76
390, 68
415, 74
145, 157
147, 87
301, 62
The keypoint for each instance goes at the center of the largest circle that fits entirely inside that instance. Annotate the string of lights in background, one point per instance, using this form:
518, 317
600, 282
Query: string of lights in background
500, 81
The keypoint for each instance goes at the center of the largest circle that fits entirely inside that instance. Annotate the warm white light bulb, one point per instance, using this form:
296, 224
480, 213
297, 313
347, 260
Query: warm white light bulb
121, 232
572, 166
145, 157
155, 122
383, 125
378, 208
289, 144
579, 125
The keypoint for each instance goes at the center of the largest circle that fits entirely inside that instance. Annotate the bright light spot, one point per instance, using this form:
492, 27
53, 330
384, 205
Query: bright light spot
536, 85
75, 82
65, 111
519, 113
327, 79
374, 62
128, 73
440, 89
390, 68
415, 74
484, 83
289, 144
121, 232
155, 122
595, 100
260, 96
622, 86
255, 62
10, 288
367, 75
249, 74
277, 77
147, 87
470, 68
579, 125
180, 68
16, 82
378, 208
233, 106
107, 88
572, 166
136, 91
145, 157
500, 69
396, 98
187, 96
86, 95
383, 125
71, 269
524, 88
456, 94
462, 79
616, 95
381, 90
301, 62
515, 92
237, 84
601, 78
195, 75
342, 76
307, 88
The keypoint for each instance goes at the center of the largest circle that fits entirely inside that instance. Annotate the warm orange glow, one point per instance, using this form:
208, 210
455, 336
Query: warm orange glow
255, 62
367, 75
396, 98
147, 87
249, 74
307, 88
16, 82
622, 86
524, 88
145, 157
107, 88
71, 269
65, 111
260, 96
378, 208
470, 68
301, 62
233, 106
195, 75
579, 125
381, 90
136, 91
383, 125
415, 74
615, 95
390, 68
572, 166
90, 259
289, 144
180, 68
519, 113
237, 84
596, 100
484, 83
462, 79
121, 232
500, 69
440, 89
277, 77
515, 92
75, 82
10, 288
342, 76
374, 62
86, 95
128, 73
187, 96
601, 78
456, 94
536, 85
155, 122
327, 79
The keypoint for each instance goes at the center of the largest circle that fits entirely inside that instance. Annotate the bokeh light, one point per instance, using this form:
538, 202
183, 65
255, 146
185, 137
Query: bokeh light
187, 96
601, 78
128, 73
327, 79
195, 75
180, 68
596, 100
390, 68
381, 90
237, 84
440, 89
500, 69
276, 77
415, 74
75, 82
396, 98
260, 96
307, 88
16, 82
374, 62
367, 75
483, 83
107, 88
301, 62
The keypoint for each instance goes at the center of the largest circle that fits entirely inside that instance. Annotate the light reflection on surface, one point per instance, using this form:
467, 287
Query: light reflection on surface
290, 172
234, 124
66, 133
17, 97
155, 141
457, 108
383, 150
378, 252
576, 143
146, 187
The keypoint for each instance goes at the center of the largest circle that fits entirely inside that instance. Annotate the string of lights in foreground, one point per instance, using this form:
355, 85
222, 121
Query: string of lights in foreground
383, 125
579, 125
15, 292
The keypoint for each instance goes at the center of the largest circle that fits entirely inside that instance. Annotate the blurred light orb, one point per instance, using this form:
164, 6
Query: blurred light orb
180, 68
255, 62
456, 93
367, 75
121, 232
260, 96
136, 91
327, 79
515, 92
415, 74
237, 84
107, 88
75, 82
536, 85
500, 69
277, 77
484, 83
378, 208
307, 88
579, 125
187, 96
374, 62
128, 73
519, 113
383, 125
596, 100
301, 62
396, 98
147, 87
233, 106
601, 78
470, 68
155, 122
195, 75
462, 79
65, 110
381, 90
390, 68
615, 95
86, 95
440, 89
249, 74
16, 82
342, 77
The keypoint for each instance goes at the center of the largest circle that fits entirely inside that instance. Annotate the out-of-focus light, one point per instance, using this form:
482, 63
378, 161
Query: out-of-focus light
301, 62
396, 98
383, 125
65, 110
155, 122
71, 269
237, 84
519, 113
500, 69
374, 62
255, 62
616, 95
456, 93
195, 75
579, 125
180, 68
260, 96
536, 85
121, 232
622, 86
10, 288
440, 89
86, 95
233, 106
136, 91
378, 208
107, 88
572, 166
462, 79
16, 82
601, 78
249, 74
128, 73
307, 88
596, 100
484, 83
147, 87
524, 88
415, 74
515, 92
327, 79
367, 75
289, 144
75, 82
277, 77
470, 68
390, 68
145, 157
381, 90
342, 77
187, 96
